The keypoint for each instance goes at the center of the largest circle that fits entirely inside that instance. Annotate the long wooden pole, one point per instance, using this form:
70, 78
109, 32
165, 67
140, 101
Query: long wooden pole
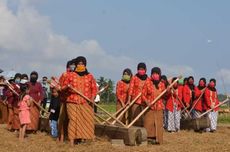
183, 106
115, 114
12, 89
153, 102
197, 100
78, 92
127, 107
223, 102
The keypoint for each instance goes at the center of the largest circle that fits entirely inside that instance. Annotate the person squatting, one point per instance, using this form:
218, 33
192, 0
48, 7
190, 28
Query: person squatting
23, 100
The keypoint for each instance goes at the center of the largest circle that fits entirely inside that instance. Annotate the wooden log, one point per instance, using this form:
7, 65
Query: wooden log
201, 123
186, 124
131, 136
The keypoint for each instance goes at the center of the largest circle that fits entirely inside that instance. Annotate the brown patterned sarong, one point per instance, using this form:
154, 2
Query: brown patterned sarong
135, 111
34, 117
81, 122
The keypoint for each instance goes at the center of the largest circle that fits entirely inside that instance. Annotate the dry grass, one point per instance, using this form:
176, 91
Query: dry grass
184, 141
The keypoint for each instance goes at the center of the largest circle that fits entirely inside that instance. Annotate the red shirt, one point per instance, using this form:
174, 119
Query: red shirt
187, 94
85, 84
36, 91
12, 97
211, 99
150, 92
122, 91
200, 102
136, 87
173, 96
63, 94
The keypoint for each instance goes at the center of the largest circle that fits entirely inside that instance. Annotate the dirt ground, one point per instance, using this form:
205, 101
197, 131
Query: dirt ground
184, 141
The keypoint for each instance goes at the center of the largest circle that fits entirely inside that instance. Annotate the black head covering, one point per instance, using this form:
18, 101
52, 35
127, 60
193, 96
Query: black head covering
17, 75
158, 71
200, 87
23, 88
191, 86
164, 77
80, 59
68, 64
128, 71
173, 79
24, 75
83, 60
214, 80
33, 80
143, 66
185, 81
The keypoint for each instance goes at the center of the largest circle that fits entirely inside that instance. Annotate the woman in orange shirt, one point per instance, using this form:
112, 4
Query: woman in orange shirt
211, 100
79, 111
136, 87
122, 91
153, 119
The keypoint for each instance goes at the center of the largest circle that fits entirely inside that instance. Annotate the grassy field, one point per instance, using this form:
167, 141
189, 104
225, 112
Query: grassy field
222, 119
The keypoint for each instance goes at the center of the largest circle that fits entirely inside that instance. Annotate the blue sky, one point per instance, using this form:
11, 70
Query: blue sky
188, 37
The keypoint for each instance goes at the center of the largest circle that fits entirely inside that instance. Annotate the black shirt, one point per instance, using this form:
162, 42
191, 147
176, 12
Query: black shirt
54, 108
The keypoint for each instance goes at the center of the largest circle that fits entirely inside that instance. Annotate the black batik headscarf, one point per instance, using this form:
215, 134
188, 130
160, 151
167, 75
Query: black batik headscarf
143, 66
83, 60
33, 79
158, 71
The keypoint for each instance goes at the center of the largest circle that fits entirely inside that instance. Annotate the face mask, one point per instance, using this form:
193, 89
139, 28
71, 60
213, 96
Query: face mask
44, 82
155, 76
80, 68
212, 84
17, 80
141, 72
175, 85
72, 67
126, 77
202, 84
33, 79
190, 81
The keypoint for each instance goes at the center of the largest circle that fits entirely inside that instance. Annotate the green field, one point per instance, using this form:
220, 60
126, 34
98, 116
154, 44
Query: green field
222, 118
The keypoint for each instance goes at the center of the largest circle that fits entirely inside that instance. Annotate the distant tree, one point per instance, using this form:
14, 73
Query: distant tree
108, 95
222, 97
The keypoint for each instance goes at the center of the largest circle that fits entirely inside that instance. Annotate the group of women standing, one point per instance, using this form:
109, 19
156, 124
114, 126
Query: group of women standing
169, 100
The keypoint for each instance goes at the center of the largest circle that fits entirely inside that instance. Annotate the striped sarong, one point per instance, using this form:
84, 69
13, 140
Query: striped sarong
81, 122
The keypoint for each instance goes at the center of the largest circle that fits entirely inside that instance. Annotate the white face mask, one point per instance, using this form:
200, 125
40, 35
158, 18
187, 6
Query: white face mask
72, 67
